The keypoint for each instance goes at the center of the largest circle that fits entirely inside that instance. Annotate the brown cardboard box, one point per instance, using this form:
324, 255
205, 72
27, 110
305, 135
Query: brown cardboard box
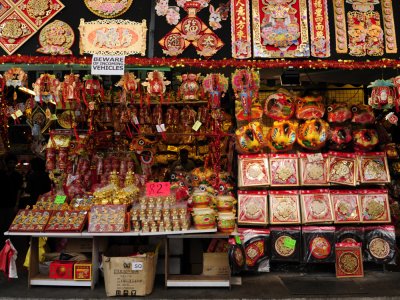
216, 264
126, 275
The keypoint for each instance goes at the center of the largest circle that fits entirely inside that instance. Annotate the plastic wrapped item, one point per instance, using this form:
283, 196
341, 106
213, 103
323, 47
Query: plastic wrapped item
107, 218
340, 137
313, 169
374, 206
256, 248
318, 244
365, 139
349, 235
253, 170
284, 169
313, 134
30, 220
316, 206
284, 207
342, 168
281, 136
380, 244
310, 107
373, 167
346, 206
253, 207
285, 243
362, 114
279, 106
339, 113
237, 256
67, 221
349, 260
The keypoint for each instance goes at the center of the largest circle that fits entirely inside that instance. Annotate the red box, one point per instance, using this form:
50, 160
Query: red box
83, 271
61, 269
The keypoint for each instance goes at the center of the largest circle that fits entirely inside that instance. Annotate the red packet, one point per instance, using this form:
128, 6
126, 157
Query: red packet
349, 260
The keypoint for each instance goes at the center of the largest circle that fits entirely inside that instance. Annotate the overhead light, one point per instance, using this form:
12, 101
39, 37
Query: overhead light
290, 77
27, 91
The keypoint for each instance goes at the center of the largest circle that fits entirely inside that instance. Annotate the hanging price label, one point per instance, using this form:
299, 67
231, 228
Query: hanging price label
157, 189
60, 199
289, 243
196, 126
238, 240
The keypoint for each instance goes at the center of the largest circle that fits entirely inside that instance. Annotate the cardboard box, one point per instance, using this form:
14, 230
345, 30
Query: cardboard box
216, 264
129, 270
83, 271
61, 269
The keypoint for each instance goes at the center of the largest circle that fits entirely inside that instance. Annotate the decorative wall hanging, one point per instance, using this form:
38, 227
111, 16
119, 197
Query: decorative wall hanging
313, 169
319, 28
375, 206
389, 27
342, 168
240, 28
245, 84
284, 207
113, 37
284, 169
191, 30
218, 14
373, 168
253, 170
349, 260
252, 207
316, 206
24, 18
345, 206
318, 244
56, 38
285, 243
380, 244
108, 8
14, 32
366, 33
340, 26
280, 28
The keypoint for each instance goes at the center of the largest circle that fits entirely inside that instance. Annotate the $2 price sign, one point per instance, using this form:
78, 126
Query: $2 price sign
157, 189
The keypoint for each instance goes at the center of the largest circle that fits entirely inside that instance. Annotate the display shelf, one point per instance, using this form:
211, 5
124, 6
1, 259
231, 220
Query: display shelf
180, 233
197, 281
44, 280
92, 234
44, 234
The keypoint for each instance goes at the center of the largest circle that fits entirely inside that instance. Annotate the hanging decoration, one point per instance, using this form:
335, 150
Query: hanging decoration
190, 88
191, 30
245, 84
71, 88
47, 88
56, 38
280, 28
240, 28
23, 20
113, 37
383, 94
129, 84
216, 85
389, 27
366, 33
218, 14
340, 26
319, 28
108, 8
156, 84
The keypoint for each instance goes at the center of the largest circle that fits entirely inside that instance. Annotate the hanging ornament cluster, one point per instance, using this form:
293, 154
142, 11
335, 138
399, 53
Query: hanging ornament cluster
191, 30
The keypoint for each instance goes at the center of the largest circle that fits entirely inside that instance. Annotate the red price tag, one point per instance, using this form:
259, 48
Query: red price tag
156, 189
